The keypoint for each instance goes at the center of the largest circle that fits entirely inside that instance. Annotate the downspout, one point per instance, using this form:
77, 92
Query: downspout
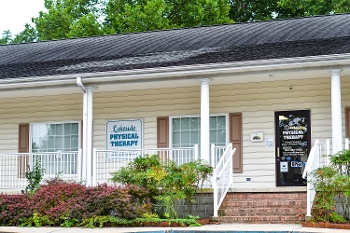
85, 127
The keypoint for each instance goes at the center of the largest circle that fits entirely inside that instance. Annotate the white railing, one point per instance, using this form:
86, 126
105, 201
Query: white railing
222, 177
215, 153
107, 161
346, 147
315, 160
65, 165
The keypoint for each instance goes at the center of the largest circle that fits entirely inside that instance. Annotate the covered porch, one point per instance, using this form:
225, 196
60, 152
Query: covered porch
247, 88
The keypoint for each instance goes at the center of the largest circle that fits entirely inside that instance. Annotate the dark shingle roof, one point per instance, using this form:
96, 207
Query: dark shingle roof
300, 37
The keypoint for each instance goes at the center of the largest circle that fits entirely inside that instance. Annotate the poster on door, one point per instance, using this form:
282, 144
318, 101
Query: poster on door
284, 167
294, 140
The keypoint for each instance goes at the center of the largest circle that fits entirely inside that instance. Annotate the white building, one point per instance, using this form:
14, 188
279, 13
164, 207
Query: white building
270, 88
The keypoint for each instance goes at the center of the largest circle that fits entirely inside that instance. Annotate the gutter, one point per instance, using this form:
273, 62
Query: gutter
182, 72
80, 84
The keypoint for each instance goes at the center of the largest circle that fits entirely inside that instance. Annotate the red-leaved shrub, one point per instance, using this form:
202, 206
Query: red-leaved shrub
58, 200
13, 208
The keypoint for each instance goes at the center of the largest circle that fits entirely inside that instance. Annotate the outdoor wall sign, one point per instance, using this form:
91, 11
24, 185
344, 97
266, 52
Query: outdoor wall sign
124, 134
269, 142
257, 137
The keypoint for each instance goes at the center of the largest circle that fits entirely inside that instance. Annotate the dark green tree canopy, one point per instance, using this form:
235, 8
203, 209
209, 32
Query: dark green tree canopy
78, 18
67, 18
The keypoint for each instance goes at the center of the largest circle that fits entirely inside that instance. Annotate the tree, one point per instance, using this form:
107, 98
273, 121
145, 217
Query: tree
316, 7
67, 18
29, 34
135, 16
144, 15
186, 13
6, 37
255, 10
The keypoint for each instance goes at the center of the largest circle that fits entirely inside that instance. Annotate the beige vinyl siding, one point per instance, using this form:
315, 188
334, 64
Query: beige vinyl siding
55, 108
144, 104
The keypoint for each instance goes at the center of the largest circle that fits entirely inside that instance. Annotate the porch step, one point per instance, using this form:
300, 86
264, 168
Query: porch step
263, 208
262, 219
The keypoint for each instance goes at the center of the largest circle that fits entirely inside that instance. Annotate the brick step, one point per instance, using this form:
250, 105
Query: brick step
263, 208
266, 203
274, 196
261, 211
261, 219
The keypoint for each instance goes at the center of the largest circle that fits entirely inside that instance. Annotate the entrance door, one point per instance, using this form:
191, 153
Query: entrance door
293, 138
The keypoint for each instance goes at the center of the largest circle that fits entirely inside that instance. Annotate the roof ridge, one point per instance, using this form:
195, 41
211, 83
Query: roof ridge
185, 28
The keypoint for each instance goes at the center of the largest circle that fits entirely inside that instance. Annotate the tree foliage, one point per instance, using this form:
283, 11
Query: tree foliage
144, 15
67, 18
29, 34
255, 10
315, 7
78, 18
6, 37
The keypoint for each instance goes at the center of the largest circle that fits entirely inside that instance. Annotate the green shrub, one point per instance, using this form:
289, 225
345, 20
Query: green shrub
166, 182
332, 183
34, 177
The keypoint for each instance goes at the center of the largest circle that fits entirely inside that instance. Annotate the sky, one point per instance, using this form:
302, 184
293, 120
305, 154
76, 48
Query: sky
15, 13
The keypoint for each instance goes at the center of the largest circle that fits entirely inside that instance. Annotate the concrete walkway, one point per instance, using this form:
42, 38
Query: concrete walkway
221, 227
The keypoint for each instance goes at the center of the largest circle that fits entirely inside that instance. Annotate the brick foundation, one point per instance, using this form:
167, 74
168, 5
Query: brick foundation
263, 208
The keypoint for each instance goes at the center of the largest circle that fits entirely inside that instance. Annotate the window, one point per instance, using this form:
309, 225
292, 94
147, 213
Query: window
186, 131
56, 137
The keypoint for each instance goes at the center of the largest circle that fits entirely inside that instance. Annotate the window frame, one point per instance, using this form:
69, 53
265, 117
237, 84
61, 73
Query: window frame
199, 116
53, 122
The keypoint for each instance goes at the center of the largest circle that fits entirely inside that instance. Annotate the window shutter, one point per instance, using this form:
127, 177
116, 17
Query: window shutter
347, 123
163, 132
163, 136
235, 120
23, 147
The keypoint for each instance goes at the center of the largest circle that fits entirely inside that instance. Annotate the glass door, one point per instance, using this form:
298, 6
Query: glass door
292, 146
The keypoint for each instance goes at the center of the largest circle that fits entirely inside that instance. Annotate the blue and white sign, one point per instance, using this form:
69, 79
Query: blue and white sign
296, 164
124, 134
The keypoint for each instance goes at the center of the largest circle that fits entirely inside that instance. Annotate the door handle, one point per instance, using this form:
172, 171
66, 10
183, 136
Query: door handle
278, 153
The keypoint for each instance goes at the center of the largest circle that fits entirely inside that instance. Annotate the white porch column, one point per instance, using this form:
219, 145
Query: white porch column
84, 156
89, 120
87, 135
205, 114
336, 111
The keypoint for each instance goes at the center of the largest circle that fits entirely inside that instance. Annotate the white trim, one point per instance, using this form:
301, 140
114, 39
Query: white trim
199, 116
176, 72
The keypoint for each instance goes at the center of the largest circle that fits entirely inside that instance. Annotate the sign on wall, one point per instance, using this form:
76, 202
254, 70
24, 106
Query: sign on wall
124, 134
